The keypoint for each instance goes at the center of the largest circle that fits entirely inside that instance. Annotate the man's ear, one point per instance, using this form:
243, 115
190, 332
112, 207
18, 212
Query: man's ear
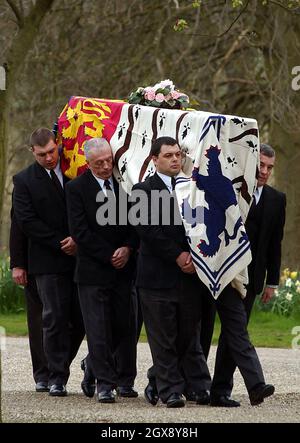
154, 159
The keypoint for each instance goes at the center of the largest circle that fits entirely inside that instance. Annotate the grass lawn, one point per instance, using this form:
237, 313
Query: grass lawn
265, 329
14, 324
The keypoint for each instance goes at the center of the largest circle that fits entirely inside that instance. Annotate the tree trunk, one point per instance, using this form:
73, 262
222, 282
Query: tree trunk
29, 29
285, 137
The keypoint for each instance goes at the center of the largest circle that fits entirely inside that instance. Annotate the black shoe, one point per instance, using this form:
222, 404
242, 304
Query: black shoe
151, 393
88, 384
58, 390
106, 396
190, 396
42, 386
224, 401
175, 401
203, 398
257, 395
126, 391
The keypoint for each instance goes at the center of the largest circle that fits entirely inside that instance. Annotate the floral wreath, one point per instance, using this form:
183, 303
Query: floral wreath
161, 95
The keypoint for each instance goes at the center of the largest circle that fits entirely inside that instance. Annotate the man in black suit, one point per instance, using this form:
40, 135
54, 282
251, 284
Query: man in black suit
104, 272
169, 289
264, 226
18, 247
40, 210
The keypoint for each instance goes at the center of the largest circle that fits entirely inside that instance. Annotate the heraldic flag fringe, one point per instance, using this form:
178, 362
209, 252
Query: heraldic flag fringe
214, 188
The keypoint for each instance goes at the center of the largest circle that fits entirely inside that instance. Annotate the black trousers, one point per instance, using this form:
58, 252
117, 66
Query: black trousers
234, 348
63, 329
208, 315
171, 318
111, 333
138, 311
35, 331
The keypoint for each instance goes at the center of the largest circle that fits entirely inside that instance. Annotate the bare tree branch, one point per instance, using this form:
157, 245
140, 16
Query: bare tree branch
17, 12
290, 10
226, 30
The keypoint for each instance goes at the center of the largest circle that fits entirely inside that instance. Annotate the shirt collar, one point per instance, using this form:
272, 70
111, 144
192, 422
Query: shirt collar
57, 170
257, 193
166, 179
101, 182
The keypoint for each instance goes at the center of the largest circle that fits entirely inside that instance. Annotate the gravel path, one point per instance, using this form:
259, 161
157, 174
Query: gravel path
20, 403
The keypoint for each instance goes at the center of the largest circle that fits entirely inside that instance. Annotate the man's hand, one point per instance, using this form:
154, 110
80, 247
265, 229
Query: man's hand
184, 261
120, 257
68, 246
19, 276
267, 295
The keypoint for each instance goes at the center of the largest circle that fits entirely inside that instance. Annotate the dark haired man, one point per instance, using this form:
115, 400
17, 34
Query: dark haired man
40, 210
264, 226
162, 286
170, 291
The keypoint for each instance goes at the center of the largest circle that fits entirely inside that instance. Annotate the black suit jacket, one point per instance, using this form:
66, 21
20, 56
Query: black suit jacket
18, 245
96, 243
160, 245
41, 214
268, 257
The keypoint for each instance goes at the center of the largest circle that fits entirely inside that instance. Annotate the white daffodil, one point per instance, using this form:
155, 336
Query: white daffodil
288, 282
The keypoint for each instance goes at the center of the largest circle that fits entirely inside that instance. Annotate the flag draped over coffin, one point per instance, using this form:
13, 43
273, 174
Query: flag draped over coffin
217, 178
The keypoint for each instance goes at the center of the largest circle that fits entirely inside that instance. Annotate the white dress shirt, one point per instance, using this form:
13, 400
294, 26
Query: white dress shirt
167, 181
101, 183
257, 194
58, 172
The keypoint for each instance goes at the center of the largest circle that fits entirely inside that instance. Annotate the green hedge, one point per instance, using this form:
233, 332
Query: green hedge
286, 300
12, 298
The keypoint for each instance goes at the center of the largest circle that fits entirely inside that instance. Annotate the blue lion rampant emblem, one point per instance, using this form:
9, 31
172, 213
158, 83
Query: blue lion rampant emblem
219, 195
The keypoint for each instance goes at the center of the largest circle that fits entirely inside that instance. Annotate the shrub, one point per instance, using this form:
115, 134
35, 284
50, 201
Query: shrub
12, 298
286, 300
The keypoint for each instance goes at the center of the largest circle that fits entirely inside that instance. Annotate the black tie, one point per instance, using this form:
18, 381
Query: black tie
173, 182
107, 185
56, 182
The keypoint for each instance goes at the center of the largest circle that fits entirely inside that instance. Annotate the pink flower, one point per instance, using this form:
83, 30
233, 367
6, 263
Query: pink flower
159, 98
150, 94
175, 94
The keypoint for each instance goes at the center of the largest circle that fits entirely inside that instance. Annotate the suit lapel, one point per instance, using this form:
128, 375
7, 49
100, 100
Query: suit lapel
157, 183
42, 174
93, 184
266, 217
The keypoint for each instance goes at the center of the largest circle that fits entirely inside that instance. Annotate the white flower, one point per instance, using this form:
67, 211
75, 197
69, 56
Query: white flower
298, 290
297, 283
163, 84
288, 282
289, 296
276, 293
